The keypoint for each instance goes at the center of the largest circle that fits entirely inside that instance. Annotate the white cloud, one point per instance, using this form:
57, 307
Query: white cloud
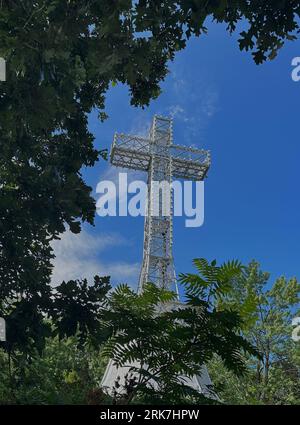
194, 111
77, 258
176, 111
210, 102
141, 125
179, 83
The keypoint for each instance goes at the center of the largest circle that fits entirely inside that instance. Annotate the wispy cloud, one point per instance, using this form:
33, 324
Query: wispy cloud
141, 125
176, 111
209, 103
77, 257
185, 104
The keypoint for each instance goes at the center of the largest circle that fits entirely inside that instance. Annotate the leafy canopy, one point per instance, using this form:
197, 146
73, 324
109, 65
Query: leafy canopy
162, 340
267, 310
62, 56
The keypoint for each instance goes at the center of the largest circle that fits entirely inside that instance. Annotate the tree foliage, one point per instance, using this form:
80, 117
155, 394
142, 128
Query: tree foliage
162, 340
64, 373
79, 307
70, 319
62, 56
72, 308
267, 311
232, 320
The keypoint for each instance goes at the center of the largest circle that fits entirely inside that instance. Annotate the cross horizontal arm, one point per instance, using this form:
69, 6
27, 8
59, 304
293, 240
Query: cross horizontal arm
189, 163
130, 152
135, 152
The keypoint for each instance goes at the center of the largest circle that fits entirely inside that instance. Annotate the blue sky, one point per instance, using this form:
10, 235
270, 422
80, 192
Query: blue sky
248, 116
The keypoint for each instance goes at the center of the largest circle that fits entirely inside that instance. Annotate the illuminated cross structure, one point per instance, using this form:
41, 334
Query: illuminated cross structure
162, 160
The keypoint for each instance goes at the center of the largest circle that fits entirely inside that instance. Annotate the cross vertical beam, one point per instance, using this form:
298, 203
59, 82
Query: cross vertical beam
158, 264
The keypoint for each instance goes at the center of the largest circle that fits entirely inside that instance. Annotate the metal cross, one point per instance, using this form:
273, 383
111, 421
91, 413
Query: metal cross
162, 160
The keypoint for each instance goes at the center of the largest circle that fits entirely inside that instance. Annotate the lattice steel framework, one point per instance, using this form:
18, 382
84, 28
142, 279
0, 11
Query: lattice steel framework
162, 160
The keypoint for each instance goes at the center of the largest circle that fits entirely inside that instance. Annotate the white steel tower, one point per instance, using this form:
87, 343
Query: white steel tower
162, 160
